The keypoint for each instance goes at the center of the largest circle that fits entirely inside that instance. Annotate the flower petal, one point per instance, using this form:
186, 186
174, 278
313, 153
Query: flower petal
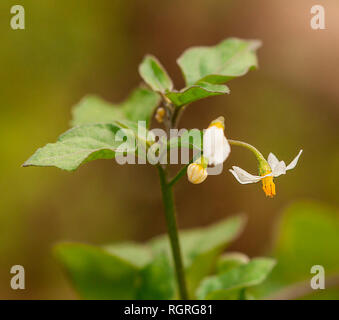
272, 160
226, 149
243, 176
294, 161
208, 142
215, 145
279, 169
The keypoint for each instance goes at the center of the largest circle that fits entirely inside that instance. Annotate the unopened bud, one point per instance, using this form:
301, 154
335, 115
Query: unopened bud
196, 173
160, 114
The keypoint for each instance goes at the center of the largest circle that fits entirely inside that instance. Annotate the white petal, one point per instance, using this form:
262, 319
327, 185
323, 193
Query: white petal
208, 141
215, 145
243, 176
272, 160
226, 149
294, 161
236, 176
279, 169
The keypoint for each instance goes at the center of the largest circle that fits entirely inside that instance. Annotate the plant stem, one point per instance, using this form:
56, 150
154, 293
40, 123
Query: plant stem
168, 200
248, 146
180, 173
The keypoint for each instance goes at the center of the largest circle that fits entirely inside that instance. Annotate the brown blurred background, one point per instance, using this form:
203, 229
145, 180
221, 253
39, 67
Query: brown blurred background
71, 48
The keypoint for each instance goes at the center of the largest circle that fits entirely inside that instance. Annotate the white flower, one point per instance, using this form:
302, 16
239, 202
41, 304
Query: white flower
276, 168
279, 167
215, 145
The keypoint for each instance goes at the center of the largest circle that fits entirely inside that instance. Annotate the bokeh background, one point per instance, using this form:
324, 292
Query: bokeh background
71, 48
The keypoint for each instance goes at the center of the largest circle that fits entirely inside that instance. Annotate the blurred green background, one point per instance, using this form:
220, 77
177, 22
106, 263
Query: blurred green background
71, 48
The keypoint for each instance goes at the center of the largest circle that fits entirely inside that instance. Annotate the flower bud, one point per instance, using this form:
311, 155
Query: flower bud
196, 173
160, 114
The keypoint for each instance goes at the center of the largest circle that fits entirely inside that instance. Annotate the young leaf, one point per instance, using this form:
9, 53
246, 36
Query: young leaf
218, 64
140, 105
231, 260
201, 247
246, 275
196, 92
155, 75
83, 144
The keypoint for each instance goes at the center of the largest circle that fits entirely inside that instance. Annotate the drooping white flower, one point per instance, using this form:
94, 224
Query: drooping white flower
215, 145
274, 169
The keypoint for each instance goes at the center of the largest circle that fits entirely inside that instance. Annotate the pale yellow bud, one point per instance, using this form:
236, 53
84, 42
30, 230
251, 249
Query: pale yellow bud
196, 173
160, 114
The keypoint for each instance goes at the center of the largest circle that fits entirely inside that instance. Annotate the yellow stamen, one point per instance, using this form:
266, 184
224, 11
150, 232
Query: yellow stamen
268, 185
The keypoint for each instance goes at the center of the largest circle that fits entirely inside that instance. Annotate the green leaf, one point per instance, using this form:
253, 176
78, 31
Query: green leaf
145, 270
158, 281
93, 109
196, 92
137, 254
155, 75
122, 271
140, 105
156, 273
83, 144
231, 260
247, 275
96, 274
218, 64
307, 236
201, 247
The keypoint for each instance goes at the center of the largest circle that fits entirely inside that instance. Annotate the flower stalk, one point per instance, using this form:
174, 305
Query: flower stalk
179, 175
262, 161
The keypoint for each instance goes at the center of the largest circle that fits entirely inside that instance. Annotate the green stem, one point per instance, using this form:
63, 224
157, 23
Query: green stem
180, 173
168, 200
248, 146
